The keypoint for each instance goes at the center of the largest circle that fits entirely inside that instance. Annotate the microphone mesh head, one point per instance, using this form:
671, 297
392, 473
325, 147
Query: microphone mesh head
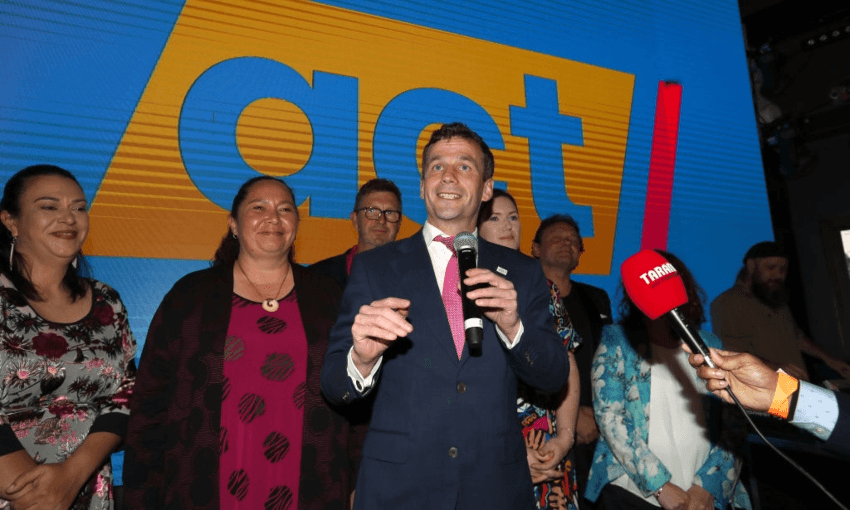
466, 241
652, 283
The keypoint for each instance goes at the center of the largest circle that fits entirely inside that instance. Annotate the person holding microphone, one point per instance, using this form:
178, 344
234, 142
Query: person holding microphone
444, 433
824, 413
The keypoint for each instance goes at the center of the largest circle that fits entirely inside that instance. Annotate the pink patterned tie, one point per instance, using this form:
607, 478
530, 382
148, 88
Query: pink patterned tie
451, 296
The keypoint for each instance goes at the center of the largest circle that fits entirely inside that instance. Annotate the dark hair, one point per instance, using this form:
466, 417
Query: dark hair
765, 249
460, 130
375, 186
228, 249
633, 319
74, 280
486, 209
555, 219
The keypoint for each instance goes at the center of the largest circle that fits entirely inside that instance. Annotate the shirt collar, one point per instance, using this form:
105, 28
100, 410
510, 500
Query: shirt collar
430, 232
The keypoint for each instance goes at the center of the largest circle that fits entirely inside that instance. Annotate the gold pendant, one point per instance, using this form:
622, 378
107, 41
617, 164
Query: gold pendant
270, 305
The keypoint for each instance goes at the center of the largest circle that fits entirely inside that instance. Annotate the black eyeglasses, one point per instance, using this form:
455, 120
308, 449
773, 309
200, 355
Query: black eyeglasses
373, 213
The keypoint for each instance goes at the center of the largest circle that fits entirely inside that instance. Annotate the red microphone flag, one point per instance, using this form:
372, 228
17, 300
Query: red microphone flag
652, 283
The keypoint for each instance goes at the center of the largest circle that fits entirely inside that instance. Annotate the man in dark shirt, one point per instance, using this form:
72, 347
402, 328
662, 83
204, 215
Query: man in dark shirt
376, 218
558, 245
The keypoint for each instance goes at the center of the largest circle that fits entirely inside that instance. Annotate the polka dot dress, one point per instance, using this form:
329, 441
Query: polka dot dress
265, 359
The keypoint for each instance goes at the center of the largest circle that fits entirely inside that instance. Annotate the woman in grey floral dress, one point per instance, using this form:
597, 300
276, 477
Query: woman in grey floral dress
66, 351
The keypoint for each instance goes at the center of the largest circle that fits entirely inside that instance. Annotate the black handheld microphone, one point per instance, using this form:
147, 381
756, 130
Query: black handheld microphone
466, 246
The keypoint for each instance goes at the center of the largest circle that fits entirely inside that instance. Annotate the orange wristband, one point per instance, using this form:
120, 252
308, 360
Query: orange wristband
785, 388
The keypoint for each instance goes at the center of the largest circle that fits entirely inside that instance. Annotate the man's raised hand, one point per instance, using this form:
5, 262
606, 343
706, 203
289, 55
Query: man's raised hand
376, 326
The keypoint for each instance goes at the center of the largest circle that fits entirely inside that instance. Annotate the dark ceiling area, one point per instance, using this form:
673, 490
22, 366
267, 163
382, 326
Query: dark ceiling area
777, 20
799, 54
799, 61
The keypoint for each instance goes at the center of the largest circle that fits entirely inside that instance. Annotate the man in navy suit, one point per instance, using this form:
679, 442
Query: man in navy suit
444, 432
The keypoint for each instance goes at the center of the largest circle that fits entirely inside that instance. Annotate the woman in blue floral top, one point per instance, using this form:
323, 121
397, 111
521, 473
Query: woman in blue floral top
670, 451
66, 351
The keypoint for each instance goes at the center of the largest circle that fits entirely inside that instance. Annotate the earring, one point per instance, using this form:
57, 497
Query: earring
12, 251
74, 262
234, 235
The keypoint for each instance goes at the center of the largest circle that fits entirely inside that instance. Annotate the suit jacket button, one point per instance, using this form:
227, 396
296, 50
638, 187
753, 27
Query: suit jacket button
461, 387
452, 452
346, 396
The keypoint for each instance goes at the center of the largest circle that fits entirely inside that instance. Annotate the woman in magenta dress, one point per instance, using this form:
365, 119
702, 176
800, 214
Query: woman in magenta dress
229, 409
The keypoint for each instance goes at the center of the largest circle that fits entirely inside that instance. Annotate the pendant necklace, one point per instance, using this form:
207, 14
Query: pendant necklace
270, 305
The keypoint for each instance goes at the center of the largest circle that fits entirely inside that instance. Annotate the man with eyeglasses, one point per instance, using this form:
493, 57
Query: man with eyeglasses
376, 218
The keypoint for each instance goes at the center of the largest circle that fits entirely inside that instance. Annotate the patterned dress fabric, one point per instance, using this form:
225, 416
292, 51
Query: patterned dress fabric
537, 412
59, 382
265, 369
173, 445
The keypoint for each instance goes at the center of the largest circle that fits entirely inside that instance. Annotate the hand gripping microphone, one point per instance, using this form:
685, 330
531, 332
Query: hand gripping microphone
466, 246
656, 288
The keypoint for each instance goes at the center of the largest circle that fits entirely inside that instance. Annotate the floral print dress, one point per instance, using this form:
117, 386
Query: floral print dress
59, 382
536, 412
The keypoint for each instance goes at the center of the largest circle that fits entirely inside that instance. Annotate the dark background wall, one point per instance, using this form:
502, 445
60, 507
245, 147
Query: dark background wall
799, 53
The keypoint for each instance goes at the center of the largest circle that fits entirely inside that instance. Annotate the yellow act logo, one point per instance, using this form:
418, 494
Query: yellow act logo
330, 98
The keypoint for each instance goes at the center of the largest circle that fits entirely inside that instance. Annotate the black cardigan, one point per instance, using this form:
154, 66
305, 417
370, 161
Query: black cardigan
173, 443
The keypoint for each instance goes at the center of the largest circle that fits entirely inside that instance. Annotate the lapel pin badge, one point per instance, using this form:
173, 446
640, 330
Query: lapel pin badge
502, 271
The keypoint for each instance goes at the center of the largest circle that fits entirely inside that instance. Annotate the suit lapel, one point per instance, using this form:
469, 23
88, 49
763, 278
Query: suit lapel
427, 313
485, 255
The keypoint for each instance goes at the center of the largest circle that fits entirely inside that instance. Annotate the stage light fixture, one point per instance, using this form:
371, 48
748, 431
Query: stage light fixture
826, 35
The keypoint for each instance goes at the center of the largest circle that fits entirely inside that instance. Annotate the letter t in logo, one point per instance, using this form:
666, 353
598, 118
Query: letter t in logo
546, 129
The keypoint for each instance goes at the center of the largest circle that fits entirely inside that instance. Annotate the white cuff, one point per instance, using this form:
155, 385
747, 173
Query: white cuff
816, 411
505, 340
361, 384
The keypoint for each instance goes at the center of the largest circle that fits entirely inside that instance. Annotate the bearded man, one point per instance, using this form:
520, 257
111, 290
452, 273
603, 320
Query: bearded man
753, 316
